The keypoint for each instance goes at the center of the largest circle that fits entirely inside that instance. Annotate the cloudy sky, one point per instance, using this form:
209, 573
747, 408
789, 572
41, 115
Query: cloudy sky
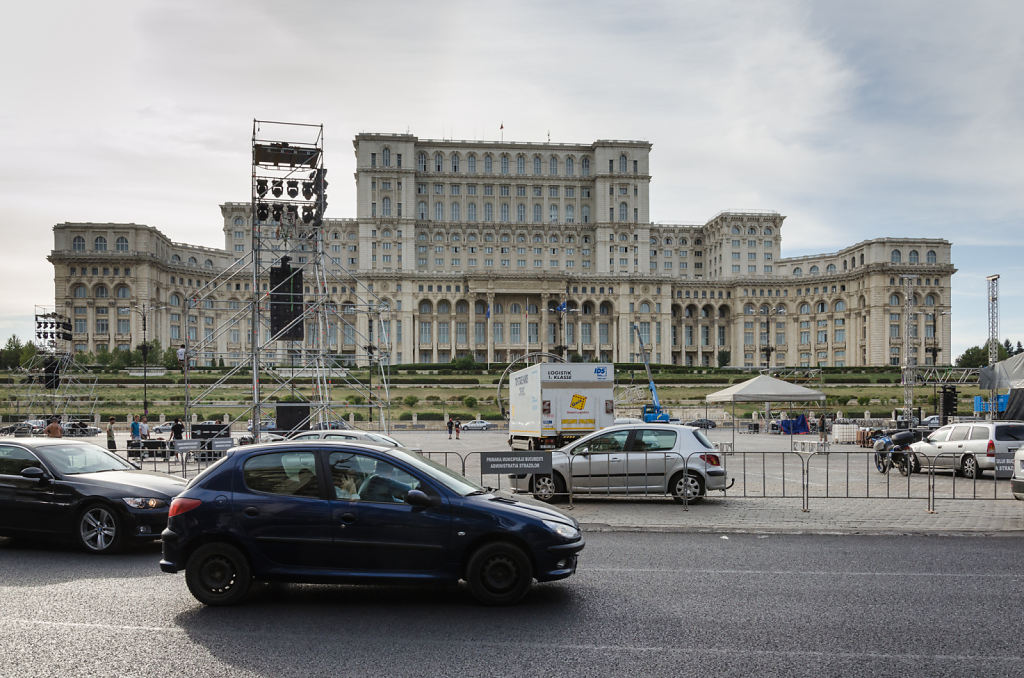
855, 120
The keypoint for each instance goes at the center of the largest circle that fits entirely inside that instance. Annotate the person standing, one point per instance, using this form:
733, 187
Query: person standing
111, 443
53, 430
181, 358
135, 428
177, 430
143, 428
451, 426
458, 428
821, 427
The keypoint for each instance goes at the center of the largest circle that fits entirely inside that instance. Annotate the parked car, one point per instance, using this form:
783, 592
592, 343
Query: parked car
74, 489
29, 427
265, 425
79, 429
478, 425
340, 512
934, 421
969, 448
350, 434
162, 428
701, 423
1017, 481
632, 459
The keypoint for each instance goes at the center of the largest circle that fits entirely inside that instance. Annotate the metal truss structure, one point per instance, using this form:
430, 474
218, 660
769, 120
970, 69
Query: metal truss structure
298, 359
796, 375
939, 376
52, 384
993, 336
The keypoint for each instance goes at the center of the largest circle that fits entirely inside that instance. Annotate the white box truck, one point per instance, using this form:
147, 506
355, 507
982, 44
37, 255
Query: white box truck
553, 403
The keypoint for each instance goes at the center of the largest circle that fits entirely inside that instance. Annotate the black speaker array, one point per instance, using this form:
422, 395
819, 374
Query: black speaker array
947, 403
286, 301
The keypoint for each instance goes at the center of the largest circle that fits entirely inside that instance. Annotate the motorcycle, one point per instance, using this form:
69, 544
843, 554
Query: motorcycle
894, 450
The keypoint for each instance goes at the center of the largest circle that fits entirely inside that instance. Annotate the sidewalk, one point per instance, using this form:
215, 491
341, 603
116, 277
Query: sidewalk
725, 515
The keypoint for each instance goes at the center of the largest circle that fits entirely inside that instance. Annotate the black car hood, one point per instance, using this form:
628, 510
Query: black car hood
508, 504
134, 483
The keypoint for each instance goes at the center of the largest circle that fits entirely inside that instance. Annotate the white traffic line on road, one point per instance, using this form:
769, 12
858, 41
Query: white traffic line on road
814, 573
617, 648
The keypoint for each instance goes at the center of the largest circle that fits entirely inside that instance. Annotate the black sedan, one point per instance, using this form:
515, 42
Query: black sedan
701, 423
66, 488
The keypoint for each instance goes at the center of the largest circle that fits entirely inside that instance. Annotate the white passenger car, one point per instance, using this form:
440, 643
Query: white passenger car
969, 448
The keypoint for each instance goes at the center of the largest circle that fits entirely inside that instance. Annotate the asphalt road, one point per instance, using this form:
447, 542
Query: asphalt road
641, 604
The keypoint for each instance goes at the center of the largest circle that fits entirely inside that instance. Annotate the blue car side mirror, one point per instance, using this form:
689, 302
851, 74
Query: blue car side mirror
418, 498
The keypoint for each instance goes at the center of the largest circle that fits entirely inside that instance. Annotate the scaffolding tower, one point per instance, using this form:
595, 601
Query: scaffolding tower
993, 337
292, 320
51, 382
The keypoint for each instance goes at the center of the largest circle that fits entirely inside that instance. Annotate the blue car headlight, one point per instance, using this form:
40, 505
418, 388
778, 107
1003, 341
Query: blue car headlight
144, 502
567, 532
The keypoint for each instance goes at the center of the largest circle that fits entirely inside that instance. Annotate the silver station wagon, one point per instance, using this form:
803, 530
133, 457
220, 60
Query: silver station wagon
969, 448
640, 459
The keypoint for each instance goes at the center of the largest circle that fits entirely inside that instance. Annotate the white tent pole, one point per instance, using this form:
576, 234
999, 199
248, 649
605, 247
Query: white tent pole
734, 424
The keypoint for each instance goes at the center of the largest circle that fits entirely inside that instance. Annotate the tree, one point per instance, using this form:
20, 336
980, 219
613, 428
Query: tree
1008, 347
977, 356
1019, 349
723, 358
10, 355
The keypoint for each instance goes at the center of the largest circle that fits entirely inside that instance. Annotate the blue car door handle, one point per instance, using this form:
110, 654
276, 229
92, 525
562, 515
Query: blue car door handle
251, 511
348, 518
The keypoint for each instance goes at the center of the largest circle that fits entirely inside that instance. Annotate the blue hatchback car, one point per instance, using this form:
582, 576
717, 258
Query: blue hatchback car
318, 511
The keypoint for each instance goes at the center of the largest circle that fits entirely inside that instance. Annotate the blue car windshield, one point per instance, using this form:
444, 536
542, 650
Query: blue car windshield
75, 458
442, 474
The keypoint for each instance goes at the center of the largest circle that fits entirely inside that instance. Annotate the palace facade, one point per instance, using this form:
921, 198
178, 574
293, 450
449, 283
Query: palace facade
491, 249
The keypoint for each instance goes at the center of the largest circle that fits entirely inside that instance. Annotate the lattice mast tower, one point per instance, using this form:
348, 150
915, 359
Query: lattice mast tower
993, 337
290, 310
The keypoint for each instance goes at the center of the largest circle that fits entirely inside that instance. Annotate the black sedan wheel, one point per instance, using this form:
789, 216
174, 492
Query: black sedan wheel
218, 574
499, 574
99, 529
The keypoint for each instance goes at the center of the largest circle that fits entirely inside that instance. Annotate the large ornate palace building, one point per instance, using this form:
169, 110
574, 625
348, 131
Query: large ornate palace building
488, 249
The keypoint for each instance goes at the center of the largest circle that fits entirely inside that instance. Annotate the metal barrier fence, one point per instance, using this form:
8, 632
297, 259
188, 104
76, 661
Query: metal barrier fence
186, 463
771, 475
813, 475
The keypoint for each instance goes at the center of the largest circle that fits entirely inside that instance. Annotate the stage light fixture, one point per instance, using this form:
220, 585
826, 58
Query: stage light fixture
277, 210
293, 189
261, 187
277, 188
261, 211
307, 190
307, 214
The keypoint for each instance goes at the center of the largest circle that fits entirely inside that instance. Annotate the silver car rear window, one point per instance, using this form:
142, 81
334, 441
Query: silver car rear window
1010, 432
702, 439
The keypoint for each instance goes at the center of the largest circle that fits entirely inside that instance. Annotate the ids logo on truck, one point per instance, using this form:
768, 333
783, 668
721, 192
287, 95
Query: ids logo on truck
578, 401
600, 372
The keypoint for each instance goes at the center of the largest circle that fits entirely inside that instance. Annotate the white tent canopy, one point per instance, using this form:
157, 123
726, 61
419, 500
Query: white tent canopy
765, 389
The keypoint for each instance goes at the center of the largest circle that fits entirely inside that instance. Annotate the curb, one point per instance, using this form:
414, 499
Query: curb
868, 532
